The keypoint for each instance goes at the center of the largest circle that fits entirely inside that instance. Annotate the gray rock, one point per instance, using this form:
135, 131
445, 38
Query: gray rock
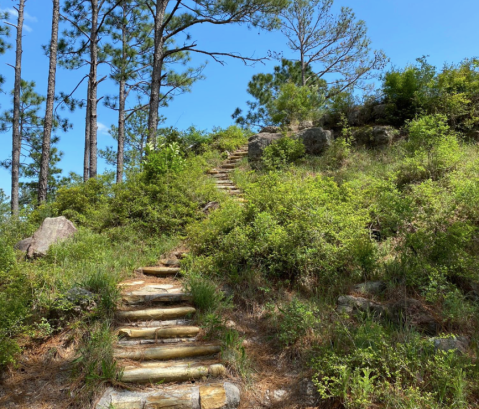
411, 312
308, 392
53, 230
210, 207
349, 304
82, 299
315, 140
233, 395
279, 395
24, 244
270, 129
374, 136
458, 343
370, 287
301, 125
258, 142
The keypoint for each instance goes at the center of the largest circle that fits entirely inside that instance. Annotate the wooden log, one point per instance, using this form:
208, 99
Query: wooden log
158, 270
166, 352
175, 373
159, 332
133, 299
156, 313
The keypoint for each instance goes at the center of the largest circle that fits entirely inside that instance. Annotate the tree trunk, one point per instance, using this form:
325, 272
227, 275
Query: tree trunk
121, 112
303, 79
86, 156
121, 133
93, 88
47, 129
158, 56
16, 135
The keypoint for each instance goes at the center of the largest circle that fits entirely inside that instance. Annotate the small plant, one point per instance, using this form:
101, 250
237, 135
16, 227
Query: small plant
206, 296
282, 152
234, 353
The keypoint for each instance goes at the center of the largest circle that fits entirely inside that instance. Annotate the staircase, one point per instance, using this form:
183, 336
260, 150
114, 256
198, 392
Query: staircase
158, 341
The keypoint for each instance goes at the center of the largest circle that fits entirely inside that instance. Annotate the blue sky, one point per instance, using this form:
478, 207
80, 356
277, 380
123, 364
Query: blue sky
404, 30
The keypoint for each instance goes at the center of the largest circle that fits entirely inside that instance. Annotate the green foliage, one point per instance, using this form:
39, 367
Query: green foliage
282, 152
367, 365
163, 160
422, 89
296, 320
206, 296
295, 104
265, 89
288, 222
432, 150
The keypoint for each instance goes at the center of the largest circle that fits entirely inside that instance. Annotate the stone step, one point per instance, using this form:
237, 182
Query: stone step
162, 353
160, 270
160, 323
193, 396
156, 313
220, 176
171, 372
159, 332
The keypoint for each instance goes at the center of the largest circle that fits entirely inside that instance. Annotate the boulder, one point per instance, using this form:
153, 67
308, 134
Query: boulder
24, 244
52, 230
210, 207
370, 287
308, 392
374, 136
83, 300
349, 304
299, 126
454, 343
411, 312
258, 142
315, 140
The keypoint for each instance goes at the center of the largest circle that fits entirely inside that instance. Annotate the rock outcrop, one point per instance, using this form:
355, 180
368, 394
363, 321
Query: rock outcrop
258, 142
315, 140
53, 230
374, 136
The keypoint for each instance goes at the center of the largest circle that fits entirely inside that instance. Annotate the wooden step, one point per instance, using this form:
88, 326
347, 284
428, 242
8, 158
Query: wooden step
220, 176
134, 299
172, 372
159, 332
224, 182
160, 270
228, 166
162, 353
156, 313
226, 187
234, 192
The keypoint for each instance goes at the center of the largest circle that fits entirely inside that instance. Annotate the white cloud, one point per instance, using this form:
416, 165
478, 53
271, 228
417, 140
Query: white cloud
103, 129
27, 17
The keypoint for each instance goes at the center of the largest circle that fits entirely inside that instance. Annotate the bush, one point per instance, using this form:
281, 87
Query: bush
282, 152
296, 103
432, 149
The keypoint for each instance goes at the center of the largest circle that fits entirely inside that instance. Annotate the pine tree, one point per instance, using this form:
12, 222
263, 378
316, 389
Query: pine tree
48, 121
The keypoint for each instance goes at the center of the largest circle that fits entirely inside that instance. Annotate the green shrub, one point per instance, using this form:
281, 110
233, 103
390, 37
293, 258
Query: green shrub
282, 152
205, 294
296, 103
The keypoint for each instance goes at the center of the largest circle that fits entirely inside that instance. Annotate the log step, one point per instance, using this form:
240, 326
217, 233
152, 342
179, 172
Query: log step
228, 166
224, 182
135, 299
173, 373
162, 353
158, 270
159, 332
220, 176
227, 187
156, 313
